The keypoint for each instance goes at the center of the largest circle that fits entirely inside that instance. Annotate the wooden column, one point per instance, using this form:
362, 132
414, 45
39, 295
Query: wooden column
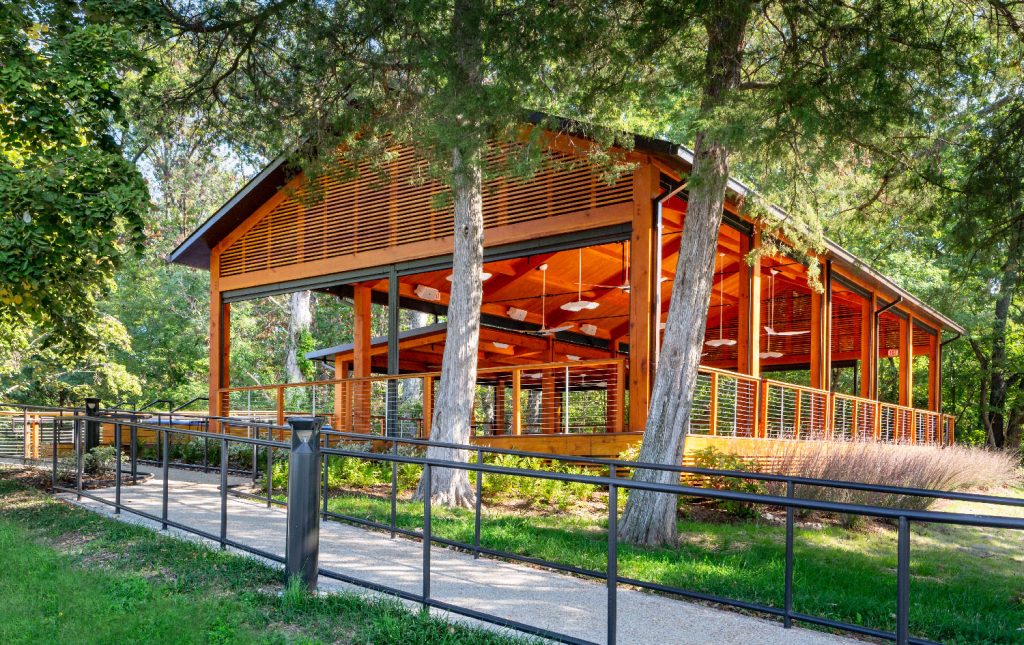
817, 332
643, 323
614, 398
748, 324
499, 407
549, 418
826, 332
220, 343
342, 402
428, 405
517, 407
362, 315
934, 367
867, 344
906, 373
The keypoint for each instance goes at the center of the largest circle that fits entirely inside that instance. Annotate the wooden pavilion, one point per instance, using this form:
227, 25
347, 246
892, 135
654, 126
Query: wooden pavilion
577, 275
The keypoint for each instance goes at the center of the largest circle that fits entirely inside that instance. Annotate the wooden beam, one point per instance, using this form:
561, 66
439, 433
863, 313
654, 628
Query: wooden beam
817, 367
867, 355
933, 373
220, 343
643, 325
517, 406
362, 311
906, 368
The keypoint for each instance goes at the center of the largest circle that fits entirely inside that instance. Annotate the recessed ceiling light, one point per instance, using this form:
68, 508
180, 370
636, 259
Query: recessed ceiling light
501, 345
516, 314
588, 329
573, 357
427, 293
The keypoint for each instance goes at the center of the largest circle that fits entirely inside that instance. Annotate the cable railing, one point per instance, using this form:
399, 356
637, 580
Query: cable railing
604, 476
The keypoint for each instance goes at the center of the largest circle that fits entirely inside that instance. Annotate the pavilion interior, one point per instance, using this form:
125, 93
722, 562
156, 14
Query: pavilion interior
529, 317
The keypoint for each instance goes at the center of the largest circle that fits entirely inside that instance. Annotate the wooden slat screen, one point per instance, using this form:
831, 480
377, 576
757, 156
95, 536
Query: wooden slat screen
365, 214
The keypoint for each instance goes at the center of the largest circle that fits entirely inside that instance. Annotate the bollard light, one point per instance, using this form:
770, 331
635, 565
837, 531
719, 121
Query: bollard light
92, 428
302, 548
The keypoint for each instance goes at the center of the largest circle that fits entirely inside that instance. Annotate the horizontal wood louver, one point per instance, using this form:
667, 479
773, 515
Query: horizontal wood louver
363, 213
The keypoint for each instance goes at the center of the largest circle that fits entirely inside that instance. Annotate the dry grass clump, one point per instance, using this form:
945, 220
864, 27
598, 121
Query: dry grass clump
953, 468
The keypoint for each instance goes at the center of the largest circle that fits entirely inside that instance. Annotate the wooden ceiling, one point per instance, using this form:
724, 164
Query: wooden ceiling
541, 284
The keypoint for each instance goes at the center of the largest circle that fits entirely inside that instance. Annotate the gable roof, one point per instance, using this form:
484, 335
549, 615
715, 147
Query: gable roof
196, 249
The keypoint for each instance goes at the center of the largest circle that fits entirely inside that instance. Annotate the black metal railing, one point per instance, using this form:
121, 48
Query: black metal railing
610, 481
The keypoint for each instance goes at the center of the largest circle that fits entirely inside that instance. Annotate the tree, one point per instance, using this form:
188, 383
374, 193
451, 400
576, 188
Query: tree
349, 81
71, 204
785, 86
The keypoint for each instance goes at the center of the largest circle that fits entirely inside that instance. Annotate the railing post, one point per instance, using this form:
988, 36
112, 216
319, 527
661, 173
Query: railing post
613, 559
787, 617
223, 492
479, 495
133, 436
903, 583
58, 425
427, 494
92, 428
26, 438
117, 469
270, 468
302, 549
394, 489
166, 473
78, 456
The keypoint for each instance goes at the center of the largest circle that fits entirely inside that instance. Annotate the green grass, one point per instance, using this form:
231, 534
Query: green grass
967, 584
70, 576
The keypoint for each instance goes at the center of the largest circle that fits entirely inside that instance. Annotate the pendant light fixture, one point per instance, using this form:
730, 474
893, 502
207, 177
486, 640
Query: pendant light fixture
768, 353
580, 304
721, 341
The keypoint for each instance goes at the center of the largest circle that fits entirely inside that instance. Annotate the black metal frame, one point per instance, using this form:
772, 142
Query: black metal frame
612, 482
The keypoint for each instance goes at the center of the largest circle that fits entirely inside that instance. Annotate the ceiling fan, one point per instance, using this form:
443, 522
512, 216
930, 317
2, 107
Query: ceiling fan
768, 353
580, 304
625, 270
544, 330
721, 341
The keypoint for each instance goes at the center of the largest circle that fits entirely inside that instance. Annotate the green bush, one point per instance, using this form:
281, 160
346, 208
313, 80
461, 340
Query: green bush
714, 459
535, 490
99, 460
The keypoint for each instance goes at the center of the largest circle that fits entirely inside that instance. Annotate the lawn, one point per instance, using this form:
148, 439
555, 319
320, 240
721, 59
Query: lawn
70, 576
967, 584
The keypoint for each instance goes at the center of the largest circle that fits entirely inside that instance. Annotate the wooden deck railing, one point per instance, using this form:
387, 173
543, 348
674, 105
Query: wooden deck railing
589, 397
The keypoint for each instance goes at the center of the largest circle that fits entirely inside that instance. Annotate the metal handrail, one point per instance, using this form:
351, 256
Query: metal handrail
611, 482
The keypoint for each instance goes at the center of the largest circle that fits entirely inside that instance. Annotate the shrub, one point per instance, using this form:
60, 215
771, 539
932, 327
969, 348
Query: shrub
99, 460
535, 490
949, 468
714, 459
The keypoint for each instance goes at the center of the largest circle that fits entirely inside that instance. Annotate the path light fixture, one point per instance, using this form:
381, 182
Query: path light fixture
302, 546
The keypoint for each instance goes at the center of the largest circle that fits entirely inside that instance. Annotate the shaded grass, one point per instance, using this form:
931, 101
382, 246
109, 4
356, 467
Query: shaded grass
72, 576
967, 584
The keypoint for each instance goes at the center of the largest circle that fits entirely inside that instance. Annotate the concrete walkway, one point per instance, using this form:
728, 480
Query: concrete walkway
545, 599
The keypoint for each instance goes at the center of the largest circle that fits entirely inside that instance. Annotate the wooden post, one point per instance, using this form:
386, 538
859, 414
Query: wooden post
499, 407
867, 363
713, 405
340, 372
220, 345
428, 405
748, 323
613, 401
280, 405
643, 324
817, 331
517, 407
906, 372
549, 403
362, 315
934, 384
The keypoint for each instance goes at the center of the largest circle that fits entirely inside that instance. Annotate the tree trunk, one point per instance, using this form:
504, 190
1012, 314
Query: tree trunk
998, 383
300, 319
650, 518
457, 384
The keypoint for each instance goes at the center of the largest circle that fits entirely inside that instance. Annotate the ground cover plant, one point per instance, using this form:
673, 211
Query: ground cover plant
967, 587
72, 576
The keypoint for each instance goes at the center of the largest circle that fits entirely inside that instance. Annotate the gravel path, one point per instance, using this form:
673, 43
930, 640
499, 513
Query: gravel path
546, 599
